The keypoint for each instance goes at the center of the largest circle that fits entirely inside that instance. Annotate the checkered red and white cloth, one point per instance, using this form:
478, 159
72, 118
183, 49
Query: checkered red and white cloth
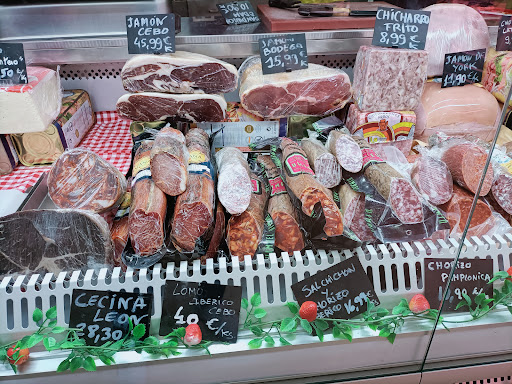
109, 138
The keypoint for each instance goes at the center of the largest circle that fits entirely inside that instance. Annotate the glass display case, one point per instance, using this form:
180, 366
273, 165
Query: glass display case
431, 301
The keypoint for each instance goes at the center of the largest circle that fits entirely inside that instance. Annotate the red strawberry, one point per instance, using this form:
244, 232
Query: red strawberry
509, 271
22, 355
308, 311
418, 304
193, 335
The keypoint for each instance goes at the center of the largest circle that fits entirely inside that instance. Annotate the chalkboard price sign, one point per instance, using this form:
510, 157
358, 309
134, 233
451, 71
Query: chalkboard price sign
238, 12
470, 278
150, 33
13, 69
504, 41
284, 53
463, 68
215, 308
340, 292
104, 315
401, 28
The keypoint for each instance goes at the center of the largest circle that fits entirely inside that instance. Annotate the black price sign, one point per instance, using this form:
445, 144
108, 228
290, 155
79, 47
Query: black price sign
238, 12
283, 53
150, 33
104, 315
504, 42
401, 28
463, 68
340, 292
13, 69
470, 278
215, 308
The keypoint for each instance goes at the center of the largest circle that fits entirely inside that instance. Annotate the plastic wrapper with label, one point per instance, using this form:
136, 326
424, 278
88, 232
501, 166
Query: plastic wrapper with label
41, 241
31, 107
81, 179
324, 164
8, 156
497, 75
387, 79
75, 119
317, 90
179, 72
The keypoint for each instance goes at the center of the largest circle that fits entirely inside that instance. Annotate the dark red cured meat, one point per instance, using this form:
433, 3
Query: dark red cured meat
353, 208
152, 106
433, 179
120, 230
405, 202
173, 73
502, 191
466, 163
193, 213
218, 234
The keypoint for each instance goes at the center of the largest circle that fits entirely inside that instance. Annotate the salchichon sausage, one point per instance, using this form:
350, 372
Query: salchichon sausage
288, 236
244, 231
234, 187
346, 151
433, 179
353, 209
466, 163
149, 205
169, 161
300, 178
218, 234
193, 213
502, 191
120, 228
392, 186
326, 167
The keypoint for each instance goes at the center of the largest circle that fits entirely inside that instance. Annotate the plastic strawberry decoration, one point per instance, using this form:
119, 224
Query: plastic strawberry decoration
308, 311
22, 355
193, 335
418, 304
509, 271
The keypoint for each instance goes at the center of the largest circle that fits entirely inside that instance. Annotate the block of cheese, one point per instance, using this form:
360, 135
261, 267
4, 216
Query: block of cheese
387, 79
75, 119
8, 157
497, 75
453, 28
31, 107
381, 126
456, 111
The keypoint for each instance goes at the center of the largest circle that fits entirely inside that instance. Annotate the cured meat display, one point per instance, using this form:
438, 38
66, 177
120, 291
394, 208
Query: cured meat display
453, 28
456, 111
353, 209
81, 179
194, 209
457, 212
179, 72
218, 234
302, 183
152, 106
120, 231
324, 164
53, 241
149, 206
288, 236
244, 232
169, 161
502, 191
433, 179
234, 187
317, 90
387, 79
466, 163
346, 150
392, 186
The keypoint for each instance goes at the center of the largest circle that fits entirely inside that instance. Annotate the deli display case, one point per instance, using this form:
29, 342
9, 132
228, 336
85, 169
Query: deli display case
355, 252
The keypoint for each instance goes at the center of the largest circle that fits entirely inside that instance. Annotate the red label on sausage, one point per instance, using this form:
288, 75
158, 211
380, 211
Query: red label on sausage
298, 164
277, 186
370, 157
256, 186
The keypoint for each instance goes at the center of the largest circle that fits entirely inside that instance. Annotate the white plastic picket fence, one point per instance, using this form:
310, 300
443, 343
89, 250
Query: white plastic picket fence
396, 270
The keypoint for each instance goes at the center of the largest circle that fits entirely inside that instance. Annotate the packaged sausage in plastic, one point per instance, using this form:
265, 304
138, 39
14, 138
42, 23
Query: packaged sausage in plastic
346, 150
317, 90
324, 164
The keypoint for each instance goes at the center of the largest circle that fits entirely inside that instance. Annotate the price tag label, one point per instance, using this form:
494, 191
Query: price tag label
340, 292
104, 315
13, 69
504, 41
215, 308
401, 28
284, 53
150, 33
470, 277
238, 12
463, 68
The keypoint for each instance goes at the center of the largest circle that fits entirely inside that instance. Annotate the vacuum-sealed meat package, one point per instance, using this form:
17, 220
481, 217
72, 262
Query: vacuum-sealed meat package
324, 164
